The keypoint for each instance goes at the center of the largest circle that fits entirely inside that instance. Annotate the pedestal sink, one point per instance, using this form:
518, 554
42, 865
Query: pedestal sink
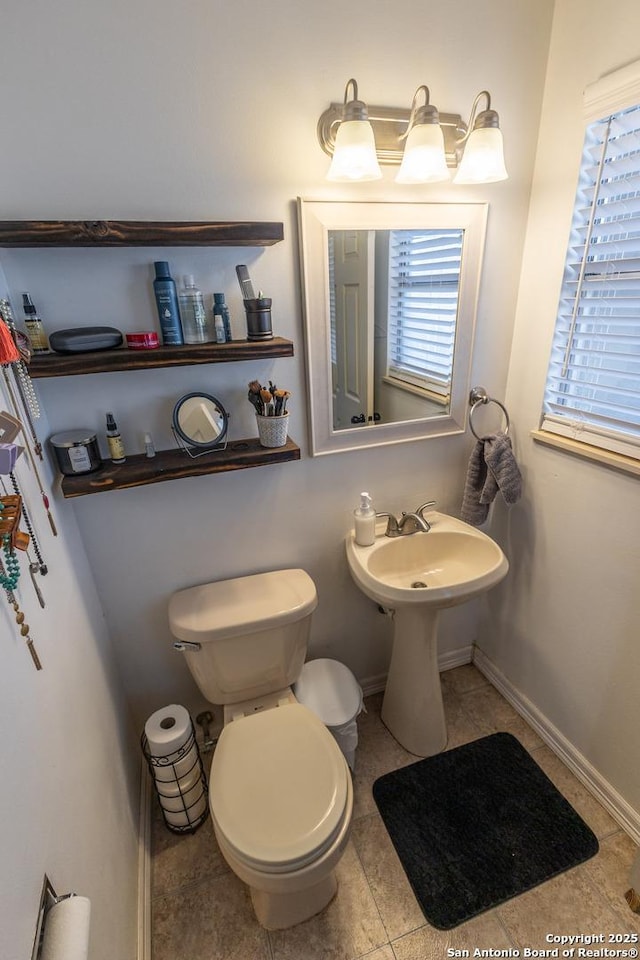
416, 576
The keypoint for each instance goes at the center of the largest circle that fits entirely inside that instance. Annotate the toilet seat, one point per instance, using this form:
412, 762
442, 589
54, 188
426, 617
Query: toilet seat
278, 788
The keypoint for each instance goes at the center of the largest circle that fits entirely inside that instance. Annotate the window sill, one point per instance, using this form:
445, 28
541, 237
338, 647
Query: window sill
616, 461
424, 392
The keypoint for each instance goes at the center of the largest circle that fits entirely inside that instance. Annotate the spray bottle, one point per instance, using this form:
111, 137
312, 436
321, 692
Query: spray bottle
114, 441
35, 329
365, 521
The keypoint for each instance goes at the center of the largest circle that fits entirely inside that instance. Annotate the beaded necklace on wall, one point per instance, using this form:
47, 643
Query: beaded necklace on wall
10, 568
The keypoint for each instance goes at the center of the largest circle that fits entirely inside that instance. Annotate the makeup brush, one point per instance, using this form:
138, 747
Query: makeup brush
267, 399
254, 395
280, 397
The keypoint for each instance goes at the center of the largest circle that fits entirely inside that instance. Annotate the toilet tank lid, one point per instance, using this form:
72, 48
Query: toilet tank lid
228, 608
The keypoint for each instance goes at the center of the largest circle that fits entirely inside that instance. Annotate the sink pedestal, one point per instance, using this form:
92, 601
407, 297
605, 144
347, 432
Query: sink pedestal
412, 708
418, 575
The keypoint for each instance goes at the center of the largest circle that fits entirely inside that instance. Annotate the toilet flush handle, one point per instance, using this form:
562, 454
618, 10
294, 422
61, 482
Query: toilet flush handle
185, 645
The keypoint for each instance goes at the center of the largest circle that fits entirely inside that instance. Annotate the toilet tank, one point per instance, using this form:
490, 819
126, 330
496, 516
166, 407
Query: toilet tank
253, 632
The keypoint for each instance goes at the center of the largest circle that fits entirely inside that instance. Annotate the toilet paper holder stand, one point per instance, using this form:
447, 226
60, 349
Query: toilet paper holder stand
173, 780
48, 899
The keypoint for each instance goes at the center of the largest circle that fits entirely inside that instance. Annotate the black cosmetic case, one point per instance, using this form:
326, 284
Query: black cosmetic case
85, 339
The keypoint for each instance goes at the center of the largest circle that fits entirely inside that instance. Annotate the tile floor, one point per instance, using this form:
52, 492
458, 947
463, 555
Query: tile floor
201, 911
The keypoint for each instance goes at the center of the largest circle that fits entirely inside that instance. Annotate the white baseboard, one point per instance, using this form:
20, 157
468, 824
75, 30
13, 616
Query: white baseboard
446, 661
455, 658
144, 867
617, 806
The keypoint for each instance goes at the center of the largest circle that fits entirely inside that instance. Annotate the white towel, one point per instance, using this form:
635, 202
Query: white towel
492, 468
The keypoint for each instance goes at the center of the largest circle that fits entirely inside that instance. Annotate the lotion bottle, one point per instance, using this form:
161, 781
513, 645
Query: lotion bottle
164, 290
365, 522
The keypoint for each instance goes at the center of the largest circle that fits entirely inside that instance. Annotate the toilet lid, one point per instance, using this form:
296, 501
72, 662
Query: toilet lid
278, 787
329, 689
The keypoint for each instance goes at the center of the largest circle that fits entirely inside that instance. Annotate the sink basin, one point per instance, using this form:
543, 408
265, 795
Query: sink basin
416, 576
448, 565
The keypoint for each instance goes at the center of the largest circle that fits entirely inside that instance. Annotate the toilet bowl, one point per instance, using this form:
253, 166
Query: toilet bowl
280, 790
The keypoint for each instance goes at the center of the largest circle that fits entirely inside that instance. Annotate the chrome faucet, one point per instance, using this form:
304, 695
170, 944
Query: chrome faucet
409, 522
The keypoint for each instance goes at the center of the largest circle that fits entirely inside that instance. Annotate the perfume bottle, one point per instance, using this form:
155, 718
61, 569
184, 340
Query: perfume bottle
34, 326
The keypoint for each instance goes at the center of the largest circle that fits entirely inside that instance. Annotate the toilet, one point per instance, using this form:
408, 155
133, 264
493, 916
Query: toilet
280, 790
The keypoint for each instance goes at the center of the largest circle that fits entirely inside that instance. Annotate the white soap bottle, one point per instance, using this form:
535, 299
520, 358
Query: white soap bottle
365, 522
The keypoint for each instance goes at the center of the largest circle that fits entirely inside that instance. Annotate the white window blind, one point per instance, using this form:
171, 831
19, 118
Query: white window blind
332, 302
593, 383
424, 277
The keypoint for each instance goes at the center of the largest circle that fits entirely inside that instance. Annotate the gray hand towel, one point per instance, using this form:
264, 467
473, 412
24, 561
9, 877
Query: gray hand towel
492, 468
473, 511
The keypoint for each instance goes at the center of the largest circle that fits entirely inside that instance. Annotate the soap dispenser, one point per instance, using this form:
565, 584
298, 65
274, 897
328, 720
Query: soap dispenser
365, 522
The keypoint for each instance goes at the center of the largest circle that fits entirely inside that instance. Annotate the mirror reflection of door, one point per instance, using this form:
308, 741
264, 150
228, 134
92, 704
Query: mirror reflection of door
393, 305
351, 278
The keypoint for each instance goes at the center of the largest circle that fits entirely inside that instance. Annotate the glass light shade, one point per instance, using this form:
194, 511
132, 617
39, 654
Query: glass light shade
424, 159
483, 158
354, 155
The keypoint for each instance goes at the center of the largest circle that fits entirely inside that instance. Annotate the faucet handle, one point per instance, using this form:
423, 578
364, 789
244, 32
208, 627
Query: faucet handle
429, 503
392, 524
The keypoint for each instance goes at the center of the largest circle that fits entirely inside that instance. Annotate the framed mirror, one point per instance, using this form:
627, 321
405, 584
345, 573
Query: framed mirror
390, 296
200, 421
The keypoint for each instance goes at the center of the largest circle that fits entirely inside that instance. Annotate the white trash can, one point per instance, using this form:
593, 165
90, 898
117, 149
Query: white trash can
330, 690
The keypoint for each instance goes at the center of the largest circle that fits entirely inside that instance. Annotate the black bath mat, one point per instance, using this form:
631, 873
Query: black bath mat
478, 825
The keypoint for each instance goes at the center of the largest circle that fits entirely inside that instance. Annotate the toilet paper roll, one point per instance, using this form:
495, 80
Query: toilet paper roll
176, 798
167, 730
66, 930
185, 766
186, 818
180, 785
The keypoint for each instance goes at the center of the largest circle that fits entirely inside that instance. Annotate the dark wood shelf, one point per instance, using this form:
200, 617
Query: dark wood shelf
110, 361
138, 233
176, 465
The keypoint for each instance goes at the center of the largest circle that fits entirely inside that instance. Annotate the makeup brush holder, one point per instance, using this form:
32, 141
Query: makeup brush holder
259, 319
272, 431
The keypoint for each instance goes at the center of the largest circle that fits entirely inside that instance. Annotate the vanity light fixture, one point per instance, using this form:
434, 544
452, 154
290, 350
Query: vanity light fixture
358, 137
483, 157
354, 155
424, 160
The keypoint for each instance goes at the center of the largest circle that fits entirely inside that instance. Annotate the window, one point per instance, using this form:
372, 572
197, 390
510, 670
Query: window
424, 277
593, 383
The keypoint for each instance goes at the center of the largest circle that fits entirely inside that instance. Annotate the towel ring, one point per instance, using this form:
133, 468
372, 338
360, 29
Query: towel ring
478, 397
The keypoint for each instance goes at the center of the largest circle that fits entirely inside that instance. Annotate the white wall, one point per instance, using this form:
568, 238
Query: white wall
70, 768
152, 110
208, 111
564, 627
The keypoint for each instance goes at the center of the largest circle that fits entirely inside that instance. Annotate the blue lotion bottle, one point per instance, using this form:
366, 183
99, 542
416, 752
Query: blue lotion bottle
166, 296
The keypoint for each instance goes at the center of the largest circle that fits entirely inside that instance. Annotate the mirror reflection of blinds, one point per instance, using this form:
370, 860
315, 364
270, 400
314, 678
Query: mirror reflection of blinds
593, 385
333, 346
424, 276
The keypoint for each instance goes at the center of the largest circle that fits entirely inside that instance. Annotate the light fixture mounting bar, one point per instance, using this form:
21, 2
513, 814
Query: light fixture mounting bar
389, 123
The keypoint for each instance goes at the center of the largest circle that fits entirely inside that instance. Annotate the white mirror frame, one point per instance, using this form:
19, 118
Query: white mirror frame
316, 218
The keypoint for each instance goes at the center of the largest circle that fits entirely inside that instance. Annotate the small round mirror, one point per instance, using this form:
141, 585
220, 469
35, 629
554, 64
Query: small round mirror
200, 420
